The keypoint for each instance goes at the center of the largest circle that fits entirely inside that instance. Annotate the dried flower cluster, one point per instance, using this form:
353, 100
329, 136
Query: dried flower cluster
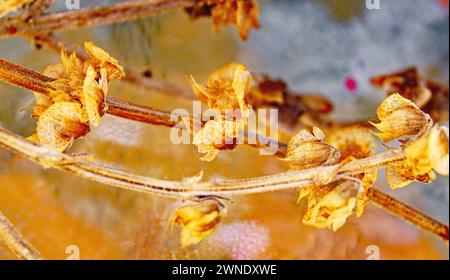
426, 149
78, 100
333, 198
243, 13
425, 152
232, 87
226, 89
329, 204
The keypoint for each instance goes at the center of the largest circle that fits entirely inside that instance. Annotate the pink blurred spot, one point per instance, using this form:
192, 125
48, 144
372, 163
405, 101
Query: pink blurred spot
351, 84
243, 240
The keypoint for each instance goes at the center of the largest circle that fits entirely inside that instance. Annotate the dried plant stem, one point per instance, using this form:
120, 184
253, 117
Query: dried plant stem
128, 110
14, 240
96, 171
28, 79
23, 77
409, 214
90, 16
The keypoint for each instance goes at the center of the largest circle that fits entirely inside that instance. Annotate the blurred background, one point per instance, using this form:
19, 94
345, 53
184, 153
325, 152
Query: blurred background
315, 46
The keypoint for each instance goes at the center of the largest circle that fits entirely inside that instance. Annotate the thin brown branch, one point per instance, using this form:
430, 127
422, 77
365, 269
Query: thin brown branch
90, 16
409, 214
23, 77
139, 113
15, 241
28, 79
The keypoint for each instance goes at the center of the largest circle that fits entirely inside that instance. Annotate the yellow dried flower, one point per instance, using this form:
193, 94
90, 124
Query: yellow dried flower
102, 60
356, 142
8, 6
78, 100
430, 152
329, 206
225, 90
214, 135
59, 125
306, 150
198, 220
226, 87
400, 117
427, 154
93, 95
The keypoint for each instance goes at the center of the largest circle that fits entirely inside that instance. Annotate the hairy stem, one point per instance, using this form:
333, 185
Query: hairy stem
91, 169
14, 240
409, 214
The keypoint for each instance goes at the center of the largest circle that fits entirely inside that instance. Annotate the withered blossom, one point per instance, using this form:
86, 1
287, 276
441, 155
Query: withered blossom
8, 6
437, 107
408, 83
198, 221
215, 135
60, 124
356, 142
329, 206
307, 150
78, 98
274, 93
267, 92
423, 157
243, 13
226, 89
400, 117
430, 152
